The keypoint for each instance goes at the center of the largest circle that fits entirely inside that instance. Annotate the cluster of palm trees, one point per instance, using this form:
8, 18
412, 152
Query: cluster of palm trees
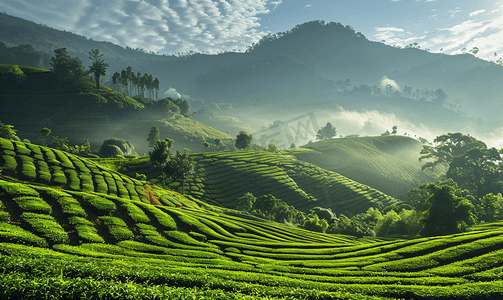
132, 85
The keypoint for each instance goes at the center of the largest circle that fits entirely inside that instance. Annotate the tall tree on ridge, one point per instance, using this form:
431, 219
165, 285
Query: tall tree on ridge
124, 81
151, 85
128, 74
138, 83
60, 62
98, 67
156, 86
116, 80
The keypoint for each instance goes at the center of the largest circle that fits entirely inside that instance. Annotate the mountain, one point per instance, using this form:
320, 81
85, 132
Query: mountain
71, 228
302, 66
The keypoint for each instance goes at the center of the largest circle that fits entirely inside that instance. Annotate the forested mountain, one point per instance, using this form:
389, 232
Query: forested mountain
301, 66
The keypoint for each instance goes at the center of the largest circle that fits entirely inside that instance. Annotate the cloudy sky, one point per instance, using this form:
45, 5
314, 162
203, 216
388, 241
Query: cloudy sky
169, 26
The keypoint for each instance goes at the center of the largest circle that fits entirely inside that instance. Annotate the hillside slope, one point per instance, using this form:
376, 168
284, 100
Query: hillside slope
387, 163
35, 98
222, 177
60, 242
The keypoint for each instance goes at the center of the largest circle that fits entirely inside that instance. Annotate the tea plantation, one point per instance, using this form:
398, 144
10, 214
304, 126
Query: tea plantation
73, 229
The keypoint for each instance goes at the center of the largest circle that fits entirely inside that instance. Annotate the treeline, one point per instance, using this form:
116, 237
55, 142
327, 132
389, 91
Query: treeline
25, 55
425, 94
133, 85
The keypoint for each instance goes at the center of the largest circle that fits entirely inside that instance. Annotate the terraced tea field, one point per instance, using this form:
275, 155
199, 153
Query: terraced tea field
387, 163
57, 242
221, 177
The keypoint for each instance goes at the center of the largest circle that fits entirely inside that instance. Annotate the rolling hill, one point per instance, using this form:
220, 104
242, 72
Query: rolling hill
111, 236
387, 163
35, 98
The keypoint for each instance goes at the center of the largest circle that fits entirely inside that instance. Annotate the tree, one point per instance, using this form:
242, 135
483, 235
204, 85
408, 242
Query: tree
44, 132
8, 132
138, 82
179, 167
447, 213
446, 147
128, 76
243, 140
245, 203
477, 171
395, 130
159, 156
124, 81
153, 136
77, 68
489, 208
61, 62
272, 147
98, 67
326, 132
116, 79
155, 85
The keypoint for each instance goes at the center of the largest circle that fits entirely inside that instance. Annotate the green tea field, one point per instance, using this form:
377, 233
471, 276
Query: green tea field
72, 228
387, 163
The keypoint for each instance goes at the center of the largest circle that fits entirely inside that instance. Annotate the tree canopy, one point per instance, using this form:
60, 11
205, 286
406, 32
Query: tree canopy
326, 132
243, 140
98, 67
159, 156
447, 146
477, 171
179, 167
447, 213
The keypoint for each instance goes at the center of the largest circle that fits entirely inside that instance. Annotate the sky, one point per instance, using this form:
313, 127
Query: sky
171, 26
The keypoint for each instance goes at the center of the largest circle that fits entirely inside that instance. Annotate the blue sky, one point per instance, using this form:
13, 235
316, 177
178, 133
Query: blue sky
168, 26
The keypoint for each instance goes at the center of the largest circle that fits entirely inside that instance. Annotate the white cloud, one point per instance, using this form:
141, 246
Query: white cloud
385, 81
485, 33
178, 25
172, 93
477, 12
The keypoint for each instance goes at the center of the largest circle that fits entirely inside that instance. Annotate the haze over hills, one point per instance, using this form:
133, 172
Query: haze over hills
302, 67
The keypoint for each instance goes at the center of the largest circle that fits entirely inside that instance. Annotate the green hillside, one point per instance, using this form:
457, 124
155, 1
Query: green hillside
35, 98
387, 163
221, 177
73, 229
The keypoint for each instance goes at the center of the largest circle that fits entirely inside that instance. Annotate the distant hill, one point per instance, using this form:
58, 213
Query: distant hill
35, 98
298, 66
387, 163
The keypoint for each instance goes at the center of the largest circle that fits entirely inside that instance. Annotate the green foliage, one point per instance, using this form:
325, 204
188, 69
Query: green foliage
272, 147
246, 202
98, 67
159, 156
7, 132
477, 171
59, 143
347, 226
153, 136
314, 223
243, 140
447, 213
326, 132
179, 167
447, 146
